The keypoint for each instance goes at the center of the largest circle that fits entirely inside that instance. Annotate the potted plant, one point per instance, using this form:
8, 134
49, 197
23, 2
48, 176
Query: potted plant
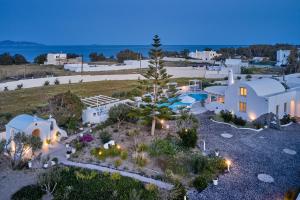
54, 161
45, 162
215, 180
217, 153
29, 164
68, 154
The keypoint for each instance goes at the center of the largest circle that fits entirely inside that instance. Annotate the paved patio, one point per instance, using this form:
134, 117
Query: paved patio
252, 153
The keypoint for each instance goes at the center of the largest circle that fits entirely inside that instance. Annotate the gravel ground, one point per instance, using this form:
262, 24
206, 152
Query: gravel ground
252, 153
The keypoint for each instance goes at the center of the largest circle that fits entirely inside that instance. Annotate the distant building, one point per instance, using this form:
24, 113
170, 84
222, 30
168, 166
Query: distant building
56, 59
282, 57
204, 55
61, 59
235, 64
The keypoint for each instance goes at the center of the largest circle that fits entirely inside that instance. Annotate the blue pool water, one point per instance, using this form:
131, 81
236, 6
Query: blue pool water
175, 102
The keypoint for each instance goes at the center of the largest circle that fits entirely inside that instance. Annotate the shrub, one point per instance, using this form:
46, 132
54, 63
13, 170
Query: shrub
105, 136
226, 115
46, 83
285, 119
19, 86
102, 153
56, 82
162, 147
86, 138
118, 163
178, 192
257, 125
200, 183
188, 137
141, 161
248, 77
115, 176
124, 155
151, 187
30, 192
239, 121
142, 147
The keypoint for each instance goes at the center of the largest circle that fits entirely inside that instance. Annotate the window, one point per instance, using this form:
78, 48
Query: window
243, 91
285, 108
243, 106
277, 110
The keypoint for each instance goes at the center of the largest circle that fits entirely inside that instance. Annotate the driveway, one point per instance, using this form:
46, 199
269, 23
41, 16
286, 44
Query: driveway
252, 153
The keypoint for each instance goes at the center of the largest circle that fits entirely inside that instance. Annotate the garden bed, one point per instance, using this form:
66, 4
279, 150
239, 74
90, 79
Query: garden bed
162, 156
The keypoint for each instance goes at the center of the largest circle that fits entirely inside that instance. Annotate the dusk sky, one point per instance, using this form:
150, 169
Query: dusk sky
71, 22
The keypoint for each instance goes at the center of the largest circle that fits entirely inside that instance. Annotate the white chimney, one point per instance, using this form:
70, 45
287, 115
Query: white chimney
230, 77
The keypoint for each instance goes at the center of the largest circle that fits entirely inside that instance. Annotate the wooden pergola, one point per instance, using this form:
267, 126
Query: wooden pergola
99, 100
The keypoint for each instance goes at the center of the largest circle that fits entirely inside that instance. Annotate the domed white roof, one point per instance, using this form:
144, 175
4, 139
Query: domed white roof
265, 86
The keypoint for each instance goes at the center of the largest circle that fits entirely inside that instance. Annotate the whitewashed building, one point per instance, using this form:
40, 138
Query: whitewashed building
204, 55
251, 99
32, 125
97, 108
282, 57
56, 59
235, 64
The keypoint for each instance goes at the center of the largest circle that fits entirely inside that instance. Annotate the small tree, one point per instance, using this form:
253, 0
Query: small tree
157, 77
20, 145
119, 113
188, 137
178, 192
186, 121
48, 180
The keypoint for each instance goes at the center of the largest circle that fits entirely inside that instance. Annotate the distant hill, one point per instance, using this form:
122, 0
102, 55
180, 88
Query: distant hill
18, 43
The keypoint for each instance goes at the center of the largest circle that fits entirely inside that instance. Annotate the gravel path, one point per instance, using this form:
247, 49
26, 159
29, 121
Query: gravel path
252, 153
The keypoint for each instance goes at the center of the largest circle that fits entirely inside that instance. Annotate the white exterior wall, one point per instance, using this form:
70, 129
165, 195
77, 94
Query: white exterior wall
282, 57
43, 126
203, 55
279, 100
56, 58
256, 105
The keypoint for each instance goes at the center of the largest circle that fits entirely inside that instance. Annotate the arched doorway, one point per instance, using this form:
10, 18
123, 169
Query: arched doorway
36, 133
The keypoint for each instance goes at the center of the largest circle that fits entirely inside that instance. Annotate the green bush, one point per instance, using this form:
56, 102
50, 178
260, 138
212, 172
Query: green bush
105, 136
239, 121
286, 119
162, 147
30, 192
102, 153
226, 115
100, 187
124, 155
200, 183
118, 163
141, 161
188, 137
142, 147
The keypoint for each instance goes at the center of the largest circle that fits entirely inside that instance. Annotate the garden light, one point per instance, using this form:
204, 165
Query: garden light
100, 153
162, 121
228, 162
118, 146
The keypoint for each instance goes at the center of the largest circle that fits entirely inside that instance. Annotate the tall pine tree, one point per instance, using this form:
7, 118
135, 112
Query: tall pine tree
157, 76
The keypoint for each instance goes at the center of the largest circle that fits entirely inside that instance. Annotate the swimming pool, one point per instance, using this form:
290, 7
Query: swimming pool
178, 102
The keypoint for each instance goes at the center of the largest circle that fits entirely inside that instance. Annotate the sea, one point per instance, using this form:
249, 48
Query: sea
30, 52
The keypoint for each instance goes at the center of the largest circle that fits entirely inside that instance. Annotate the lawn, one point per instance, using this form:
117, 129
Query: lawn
27, 100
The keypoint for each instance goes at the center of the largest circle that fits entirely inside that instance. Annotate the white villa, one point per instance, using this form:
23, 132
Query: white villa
204, 55
32, 125
97, 108
282, 57
56, 59
251, 99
